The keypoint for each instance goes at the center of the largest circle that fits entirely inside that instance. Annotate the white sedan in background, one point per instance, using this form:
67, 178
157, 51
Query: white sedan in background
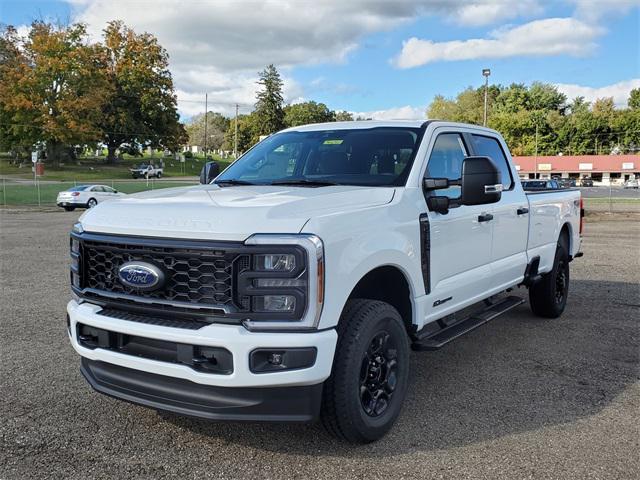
86, 196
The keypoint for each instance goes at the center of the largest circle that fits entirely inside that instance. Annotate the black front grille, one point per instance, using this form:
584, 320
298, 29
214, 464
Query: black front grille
188, 323
197, 274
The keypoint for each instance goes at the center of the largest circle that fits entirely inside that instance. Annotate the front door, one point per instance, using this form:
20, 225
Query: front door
460, 240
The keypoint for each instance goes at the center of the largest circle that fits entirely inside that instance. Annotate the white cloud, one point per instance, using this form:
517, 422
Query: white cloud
619, 91
594, 10
551, 36
219, 46
492, 11
398, 113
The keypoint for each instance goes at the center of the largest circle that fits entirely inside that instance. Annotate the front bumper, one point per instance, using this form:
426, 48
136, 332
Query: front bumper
275, 404
234, 338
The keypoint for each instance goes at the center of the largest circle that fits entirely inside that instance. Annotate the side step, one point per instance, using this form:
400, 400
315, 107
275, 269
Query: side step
437, 340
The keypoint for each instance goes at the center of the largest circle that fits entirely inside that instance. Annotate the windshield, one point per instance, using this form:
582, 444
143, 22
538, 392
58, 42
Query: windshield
380, 156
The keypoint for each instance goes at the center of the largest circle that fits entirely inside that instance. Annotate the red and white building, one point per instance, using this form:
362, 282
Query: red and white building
603, 169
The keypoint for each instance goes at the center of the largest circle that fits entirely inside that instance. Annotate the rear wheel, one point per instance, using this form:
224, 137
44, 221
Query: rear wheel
92, 203
548, 296
364, 395
159, 174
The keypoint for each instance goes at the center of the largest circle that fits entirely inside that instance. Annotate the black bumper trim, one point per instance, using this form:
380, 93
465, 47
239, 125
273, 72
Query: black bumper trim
183, 397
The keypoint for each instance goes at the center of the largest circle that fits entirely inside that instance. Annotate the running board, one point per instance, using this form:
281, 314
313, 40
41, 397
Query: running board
437, 340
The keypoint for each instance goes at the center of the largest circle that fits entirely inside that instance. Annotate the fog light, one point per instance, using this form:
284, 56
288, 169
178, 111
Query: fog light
274, 303
263, 360
275, 359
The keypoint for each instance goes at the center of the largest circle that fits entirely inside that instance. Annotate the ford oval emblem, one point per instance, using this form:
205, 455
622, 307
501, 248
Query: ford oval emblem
140, 275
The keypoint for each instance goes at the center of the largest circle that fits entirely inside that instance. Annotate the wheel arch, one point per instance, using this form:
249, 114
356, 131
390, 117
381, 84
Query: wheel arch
387, 283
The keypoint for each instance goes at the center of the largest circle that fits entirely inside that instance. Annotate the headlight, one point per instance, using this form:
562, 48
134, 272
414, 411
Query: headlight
77, 228
284, 284
278, 262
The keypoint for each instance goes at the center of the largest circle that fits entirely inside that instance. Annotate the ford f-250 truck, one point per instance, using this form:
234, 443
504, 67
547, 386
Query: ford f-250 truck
294, 284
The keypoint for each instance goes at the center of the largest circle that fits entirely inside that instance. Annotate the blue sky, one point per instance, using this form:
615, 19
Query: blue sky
383, 59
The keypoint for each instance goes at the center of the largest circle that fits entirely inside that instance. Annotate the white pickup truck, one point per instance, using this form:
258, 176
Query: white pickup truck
294, 284
146, 171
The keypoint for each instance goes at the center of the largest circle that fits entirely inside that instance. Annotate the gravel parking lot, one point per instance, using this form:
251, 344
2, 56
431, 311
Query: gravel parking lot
520, 397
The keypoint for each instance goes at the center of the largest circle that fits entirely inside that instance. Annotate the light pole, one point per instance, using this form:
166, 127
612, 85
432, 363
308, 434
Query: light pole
485, 72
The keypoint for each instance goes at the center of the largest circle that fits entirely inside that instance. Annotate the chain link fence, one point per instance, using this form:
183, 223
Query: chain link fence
44, 193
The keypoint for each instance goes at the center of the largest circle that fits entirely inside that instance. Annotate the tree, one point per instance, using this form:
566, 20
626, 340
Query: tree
269, 109
442, 108
57, 92
247, 133
307, 112
343, 116
634, 99
141, 110
12, 64
217, 125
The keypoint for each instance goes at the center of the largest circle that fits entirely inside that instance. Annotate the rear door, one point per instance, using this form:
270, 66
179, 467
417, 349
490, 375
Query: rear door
510, 214
459, 241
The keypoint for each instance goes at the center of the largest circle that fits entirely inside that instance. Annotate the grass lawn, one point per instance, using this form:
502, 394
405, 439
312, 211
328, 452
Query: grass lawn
614, 200
95, 168
27, 194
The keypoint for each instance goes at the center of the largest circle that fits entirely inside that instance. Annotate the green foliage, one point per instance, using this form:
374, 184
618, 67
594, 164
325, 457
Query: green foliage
634, 99
53, 88
269, 111
141, 110
217, 125
343, 116
307, 112
539, 120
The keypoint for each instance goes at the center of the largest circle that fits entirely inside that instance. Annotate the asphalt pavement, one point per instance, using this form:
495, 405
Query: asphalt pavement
521, 397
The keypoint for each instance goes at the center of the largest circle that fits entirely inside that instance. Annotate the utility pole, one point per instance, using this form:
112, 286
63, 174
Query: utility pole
536, 157
235, 138
485, 72
206, 112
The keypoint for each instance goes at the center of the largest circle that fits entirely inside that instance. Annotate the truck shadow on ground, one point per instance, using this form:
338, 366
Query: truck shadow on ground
518, 373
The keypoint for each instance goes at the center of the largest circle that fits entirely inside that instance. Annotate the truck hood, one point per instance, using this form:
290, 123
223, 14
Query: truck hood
227, 213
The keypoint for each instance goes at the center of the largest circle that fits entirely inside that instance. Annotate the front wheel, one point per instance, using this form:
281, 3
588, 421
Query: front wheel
548, 296
364, 394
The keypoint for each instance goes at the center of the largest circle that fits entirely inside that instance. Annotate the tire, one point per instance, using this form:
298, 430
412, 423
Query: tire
92, 203
159, 175
364, 394
69, 209
548, 296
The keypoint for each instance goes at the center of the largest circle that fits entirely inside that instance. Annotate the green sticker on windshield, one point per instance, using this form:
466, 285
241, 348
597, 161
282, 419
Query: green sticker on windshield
333, 142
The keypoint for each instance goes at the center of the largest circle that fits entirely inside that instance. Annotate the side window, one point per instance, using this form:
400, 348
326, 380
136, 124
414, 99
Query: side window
490, 147
446, 160
97, 189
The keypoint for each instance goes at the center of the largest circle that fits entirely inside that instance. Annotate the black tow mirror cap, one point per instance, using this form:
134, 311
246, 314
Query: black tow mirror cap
209, 171
481, 181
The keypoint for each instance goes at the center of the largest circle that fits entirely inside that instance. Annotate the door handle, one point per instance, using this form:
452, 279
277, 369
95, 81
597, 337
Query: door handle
522, 210
485, 217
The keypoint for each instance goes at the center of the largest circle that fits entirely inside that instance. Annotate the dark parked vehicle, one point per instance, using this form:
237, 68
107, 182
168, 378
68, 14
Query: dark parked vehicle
566, 182
533, 185
586, 182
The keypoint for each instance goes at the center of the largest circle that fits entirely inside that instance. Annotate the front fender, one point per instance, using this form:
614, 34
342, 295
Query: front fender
355, 245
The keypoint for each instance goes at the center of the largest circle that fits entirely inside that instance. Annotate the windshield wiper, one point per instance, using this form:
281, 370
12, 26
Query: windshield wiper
233, 181
303, 182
